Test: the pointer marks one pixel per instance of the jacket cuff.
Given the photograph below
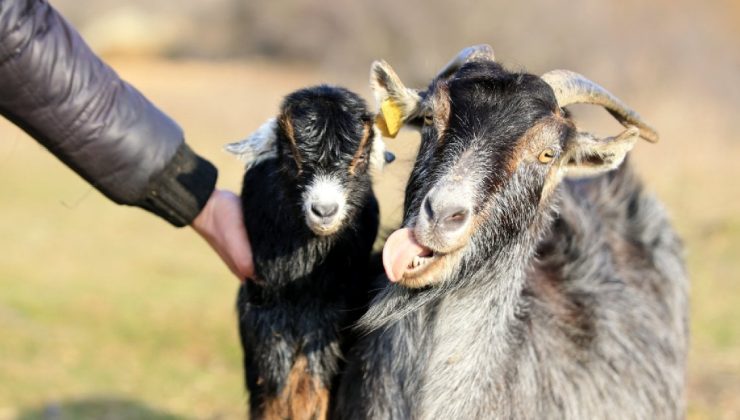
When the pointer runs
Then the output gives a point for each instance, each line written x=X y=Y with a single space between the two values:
x=181 y=190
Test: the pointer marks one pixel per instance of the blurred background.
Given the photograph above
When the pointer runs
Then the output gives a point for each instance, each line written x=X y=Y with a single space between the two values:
x=106 y=312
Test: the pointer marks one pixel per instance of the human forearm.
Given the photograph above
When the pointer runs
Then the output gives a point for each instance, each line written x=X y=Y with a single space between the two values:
x=55 y=88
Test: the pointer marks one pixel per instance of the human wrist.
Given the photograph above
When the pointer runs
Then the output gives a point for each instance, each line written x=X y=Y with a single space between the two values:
x=180 y=192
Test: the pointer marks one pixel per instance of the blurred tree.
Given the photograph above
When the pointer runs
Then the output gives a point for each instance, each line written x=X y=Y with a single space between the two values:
x=627 y=43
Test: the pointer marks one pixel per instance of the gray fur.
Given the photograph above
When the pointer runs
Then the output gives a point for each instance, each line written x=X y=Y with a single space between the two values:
x=571 y=306
x=494 y=349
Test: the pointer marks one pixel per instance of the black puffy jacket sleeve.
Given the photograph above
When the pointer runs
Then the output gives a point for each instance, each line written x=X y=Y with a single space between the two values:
x=55 y=88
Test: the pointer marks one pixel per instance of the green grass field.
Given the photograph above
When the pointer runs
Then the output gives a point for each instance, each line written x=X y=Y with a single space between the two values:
x=109 y=313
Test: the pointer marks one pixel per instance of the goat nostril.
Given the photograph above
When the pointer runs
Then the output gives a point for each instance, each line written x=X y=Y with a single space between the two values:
x=444 y=212
x=428 y=209
x=324 y=209
x=455 y=218
x=458 y=216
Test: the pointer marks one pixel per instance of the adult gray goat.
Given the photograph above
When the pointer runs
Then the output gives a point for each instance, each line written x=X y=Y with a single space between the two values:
x=533 y=278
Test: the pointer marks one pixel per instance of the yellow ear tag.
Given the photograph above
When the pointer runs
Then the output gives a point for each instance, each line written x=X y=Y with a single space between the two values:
x=390 y=118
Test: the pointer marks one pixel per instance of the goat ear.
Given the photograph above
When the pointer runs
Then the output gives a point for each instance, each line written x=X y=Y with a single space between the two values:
x=589 y=155
x=259 y=146
x=396 y=103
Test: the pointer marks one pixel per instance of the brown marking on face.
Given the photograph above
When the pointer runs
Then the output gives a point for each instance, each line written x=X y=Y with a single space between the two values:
x=303 y=397
x=287 y=127
x=367 y=130
x=534 y=140
x=552 y=180
x=522 y=146
x=441 y=105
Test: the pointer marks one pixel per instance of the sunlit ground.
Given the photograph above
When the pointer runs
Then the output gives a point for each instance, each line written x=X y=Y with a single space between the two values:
x=107 y=312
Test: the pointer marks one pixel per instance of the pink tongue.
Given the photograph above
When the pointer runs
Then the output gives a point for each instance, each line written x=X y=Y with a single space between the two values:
x=399 y=250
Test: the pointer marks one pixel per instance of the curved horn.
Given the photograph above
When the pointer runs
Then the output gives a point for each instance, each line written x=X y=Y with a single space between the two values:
x=573 y=88
x=476 y=52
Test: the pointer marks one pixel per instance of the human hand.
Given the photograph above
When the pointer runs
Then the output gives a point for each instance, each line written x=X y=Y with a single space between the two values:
x=221 y=224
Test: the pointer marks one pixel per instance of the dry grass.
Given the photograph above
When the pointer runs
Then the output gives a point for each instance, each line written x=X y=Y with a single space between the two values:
x=106 y=312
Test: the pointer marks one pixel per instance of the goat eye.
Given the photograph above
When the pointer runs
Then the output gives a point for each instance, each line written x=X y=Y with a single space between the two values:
x=546 y=156
x=428 y=120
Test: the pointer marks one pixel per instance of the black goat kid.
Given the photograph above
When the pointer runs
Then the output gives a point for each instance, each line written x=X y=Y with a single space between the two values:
x=312 y=219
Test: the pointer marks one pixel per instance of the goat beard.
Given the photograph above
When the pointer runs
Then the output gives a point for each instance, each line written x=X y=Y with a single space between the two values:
x=395 y=302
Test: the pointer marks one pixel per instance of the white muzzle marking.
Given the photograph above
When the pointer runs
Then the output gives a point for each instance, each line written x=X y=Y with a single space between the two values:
x=325 y=205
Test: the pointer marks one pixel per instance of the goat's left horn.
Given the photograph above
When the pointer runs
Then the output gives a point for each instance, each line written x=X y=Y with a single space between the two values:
x=573 y=88
x=476 y=52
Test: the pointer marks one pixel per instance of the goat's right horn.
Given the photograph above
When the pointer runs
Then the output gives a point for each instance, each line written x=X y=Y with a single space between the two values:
x=476 y=52
x=573 y=88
